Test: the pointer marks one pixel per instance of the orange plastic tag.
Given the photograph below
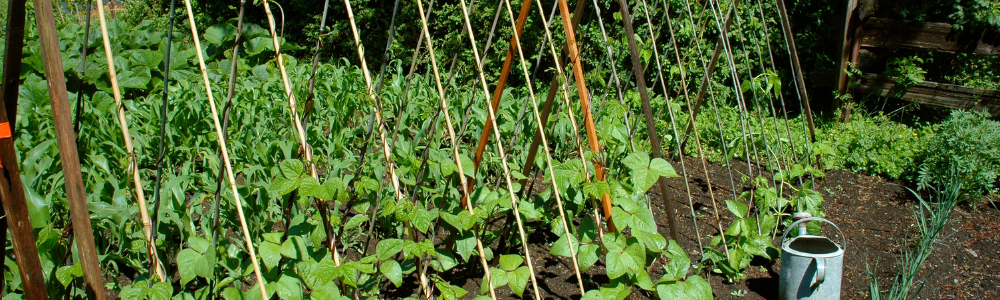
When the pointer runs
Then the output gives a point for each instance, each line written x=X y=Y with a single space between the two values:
x=4 y=133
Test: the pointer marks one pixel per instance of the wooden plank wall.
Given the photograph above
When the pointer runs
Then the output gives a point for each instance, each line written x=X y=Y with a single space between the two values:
x=940 y=37
x=933 y=93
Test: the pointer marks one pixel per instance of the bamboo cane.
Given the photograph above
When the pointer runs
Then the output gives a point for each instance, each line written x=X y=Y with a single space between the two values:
x=499 y=143
x=238 y=201
x=454 y=146
x=548 y=156
x=386 y=150
x=297 y=123
x=133 y=167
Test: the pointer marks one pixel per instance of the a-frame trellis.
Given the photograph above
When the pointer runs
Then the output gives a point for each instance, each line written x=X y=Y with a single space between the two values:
x=9 y=181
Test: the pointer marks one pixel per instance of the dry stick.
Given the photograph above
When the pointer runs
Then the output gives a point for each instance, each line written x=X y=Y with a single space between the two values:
x=378 y=117
x=62 y=120
x=548 y=157
x=83 y=70
x=225 y=120
x=237 y=199
x=455 y=145
x=503 y=156
x=800 y=82
x=651 y=126
x=133 y=167
x=13 y=53
x=15 y=207
x=697 y=141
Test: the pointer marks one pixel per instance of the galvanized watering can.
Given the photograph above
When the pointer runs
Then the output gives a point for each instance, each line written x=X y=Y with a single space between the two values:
x=811 y=265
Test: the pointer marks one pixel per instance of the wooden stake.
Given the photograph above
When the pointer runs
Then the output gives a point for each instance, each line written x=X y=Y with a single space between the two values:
x=62 y=120
x=11 y=188
x=13 y=51
x=133 y=167
x=503 y=155
x=569 y=108
x=667 y=204
x=484 y=137
x=238 y=201
x=800 y=81
x=548 y=157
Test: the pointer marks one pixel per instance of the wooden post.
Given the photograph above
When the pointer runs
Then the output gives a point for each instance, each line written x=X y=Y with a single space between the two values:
x=529 y=165
x=13 y=53
x=588 y=117
x=11 y=187
x=800 y=81
x=640 y=79
x=848 y=41
x=484 y=137
x=69 y=158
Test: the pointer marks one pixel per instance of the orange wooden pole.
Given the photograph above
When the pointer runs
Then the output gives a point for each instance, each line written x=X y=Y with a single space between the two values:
x=484 y=137
x=588 y=117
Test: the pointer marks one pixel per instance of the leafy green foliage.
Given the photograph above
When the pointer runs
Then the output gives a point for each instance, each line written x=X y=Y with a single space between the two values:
x=875 y=146
x=757 y=222
x=964 y=143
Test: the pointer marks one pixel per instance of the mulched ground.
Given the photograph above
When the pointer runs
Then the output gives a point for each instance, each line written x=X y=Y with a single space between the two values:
x=877 y=218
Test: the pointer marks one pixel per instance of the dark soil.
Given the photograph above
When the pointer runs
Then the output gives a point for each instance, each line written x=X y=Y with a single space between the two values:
x=876 y=216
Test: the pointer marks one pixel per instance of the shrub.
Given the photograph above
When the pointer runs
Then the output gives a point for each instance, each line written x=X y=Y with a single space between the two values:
x=966 y=142
x=876 y=146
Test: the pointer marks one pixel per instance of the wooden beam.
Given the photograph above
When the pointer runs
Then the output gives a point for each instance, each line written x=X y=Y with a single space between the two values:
x=931 y=36
x=62 y=118
x=933 y=93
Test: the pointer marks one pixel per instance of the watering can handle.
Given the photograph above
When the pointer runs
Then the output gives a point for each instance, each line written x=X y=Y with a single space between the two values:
x=820 y=270
x=843 y=239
